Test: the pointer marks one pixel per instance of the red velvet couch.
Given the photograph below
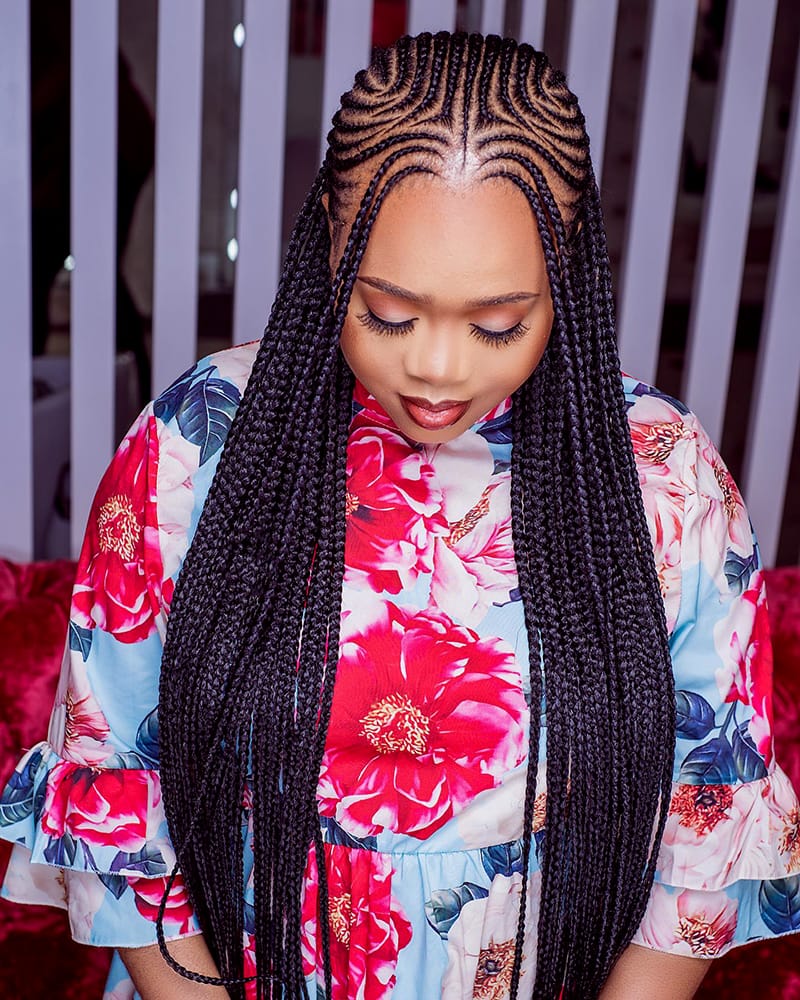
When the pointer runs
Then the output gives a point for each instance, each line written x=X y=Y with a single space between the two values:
x=39 y=960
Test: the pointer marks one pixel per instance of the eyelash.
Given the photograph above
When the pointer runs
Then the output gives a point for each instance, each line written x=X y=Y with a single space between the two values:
x=383 y=326
x=497 y=338
x=502 y=337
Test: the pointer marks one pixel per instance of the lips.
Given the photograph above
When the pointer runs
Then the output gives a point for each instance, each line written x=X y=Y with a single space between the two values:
x=434 y=416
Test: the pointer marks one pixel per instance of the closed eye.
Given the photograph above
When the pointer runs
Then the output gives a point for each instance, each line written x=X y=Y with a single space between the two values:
x=373 y=322
x=500 y=338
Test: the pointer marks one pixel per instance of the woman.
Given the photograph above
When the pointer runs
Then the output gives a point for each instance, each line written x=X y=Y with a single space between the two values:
x=435 y=469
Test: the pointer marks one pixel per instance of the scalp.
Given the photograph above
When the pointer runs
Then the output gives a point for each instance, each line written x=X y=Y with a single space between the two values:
x=462 y=107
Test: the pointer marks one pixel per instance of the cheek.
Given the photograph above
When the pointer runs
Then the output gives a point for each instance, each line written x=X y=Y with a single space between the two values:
x=521 y=361
x=366 y=354
x=349 y=343
x=537 y=348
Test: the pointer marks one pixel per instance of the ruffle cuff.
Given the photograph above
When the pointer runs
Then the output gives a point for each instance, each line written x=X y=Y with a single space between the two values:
x=718 y=834
x=93 y=841
x=101 y=819
x=728 y=869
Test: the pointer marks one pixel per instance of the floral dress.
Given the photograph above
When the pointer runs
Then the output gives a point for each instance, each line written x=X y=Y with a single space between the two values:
x=422 y=782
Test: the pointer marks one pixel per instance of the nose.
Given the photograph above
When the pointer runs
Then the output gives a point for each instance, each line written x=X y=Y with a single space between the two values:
x=438 y=355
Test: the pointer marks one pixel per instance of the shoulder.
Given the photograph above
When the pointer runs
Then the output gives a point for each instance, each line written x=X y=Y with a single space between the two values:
x=206 y=396
x=671 y=447
x=698 y=522
x=193 y=415
x=191 y=419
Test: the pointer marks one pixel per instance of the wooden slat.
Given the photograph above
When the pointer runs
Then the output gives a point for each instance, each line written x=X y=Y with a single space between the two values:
x=589 y=62
x=531 y=29
x=348 y=41
x=655 y=180
x=431 y=15
x=16 y=494
x=723 y=237
x=177 y=188
x=261 y=163
x=777 y=381
x=94 y=247
x=493 y=17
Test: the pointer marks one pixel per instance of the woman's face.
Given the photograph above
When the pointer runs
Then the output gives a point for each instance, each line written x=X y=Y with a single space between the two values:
x=451 y=309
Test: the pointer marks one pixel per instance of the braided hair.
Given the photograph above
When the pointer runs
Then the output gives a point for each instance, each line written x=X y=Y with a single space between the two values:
x=250 y=654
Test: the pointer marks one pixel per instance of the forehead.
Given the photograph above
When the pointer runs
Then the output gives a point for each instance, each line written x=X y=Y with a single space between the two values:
x=436 y=235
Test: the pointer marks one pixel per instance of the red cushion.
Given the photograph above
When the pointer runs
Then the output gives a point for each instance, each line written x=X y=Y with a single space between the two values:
x=34 y=602
x=783 y=599
x=770 y=970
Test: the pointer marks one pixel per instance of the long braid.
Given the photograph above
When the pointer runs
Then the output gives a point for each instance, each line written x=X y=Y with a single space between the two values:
x=250 y=657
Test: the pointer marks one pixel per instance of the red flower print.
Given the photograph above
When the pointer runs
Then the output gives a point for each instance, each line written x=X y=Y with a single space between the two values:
x=701 y=807
x=482 y=941
x=149 y=892
x=178 y=460
x=119 y=577
x=747 y=657
x=474 y=564
x=789 y=840
x=691 y=922
x=85 y=729
x=105 y=806
x=664 y=510
x=655 y=443
x=393 y=508
x=425 y=716
x=660 y=435
x=249 y=965
x=657 y=428
x=367 y=928
x=726 y=516
x=705 y=925
x=718 y=834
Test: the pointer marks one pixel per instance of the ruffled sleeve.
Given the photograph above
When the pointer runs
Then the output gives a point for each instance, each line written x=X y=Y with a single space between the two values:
x=84 y=808
x=729 y=863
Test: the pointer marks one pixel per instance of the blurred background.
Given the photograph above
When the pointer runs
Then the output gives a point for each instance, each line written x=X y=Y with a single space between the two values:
x=159 y=207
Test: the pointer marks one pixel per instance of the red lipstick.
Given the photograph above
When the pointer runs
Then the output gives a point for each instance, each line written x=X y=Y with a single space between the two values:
x=434 y=416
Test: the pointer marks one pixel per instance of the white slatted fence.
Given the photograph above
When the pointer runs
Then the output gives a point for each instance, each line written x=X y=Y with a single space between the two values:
x=93 y=203
x=348 y=34
x=16 y=492
x=260 y=204
x=179 y=83
x=643 y=280
x=589 y=59
x=591 y=41
x=532 y=21
x=431 y=15
x=493 y=17
x=723 y=242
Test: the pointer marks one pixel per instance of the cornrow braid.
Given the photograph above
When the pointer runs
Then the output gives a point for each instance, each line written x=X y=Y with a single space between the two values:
x=250 y=656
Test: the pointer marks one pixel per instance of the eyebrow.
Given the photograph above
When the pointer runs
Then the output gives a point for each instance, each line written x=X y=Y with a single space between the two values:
x=402 y=293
